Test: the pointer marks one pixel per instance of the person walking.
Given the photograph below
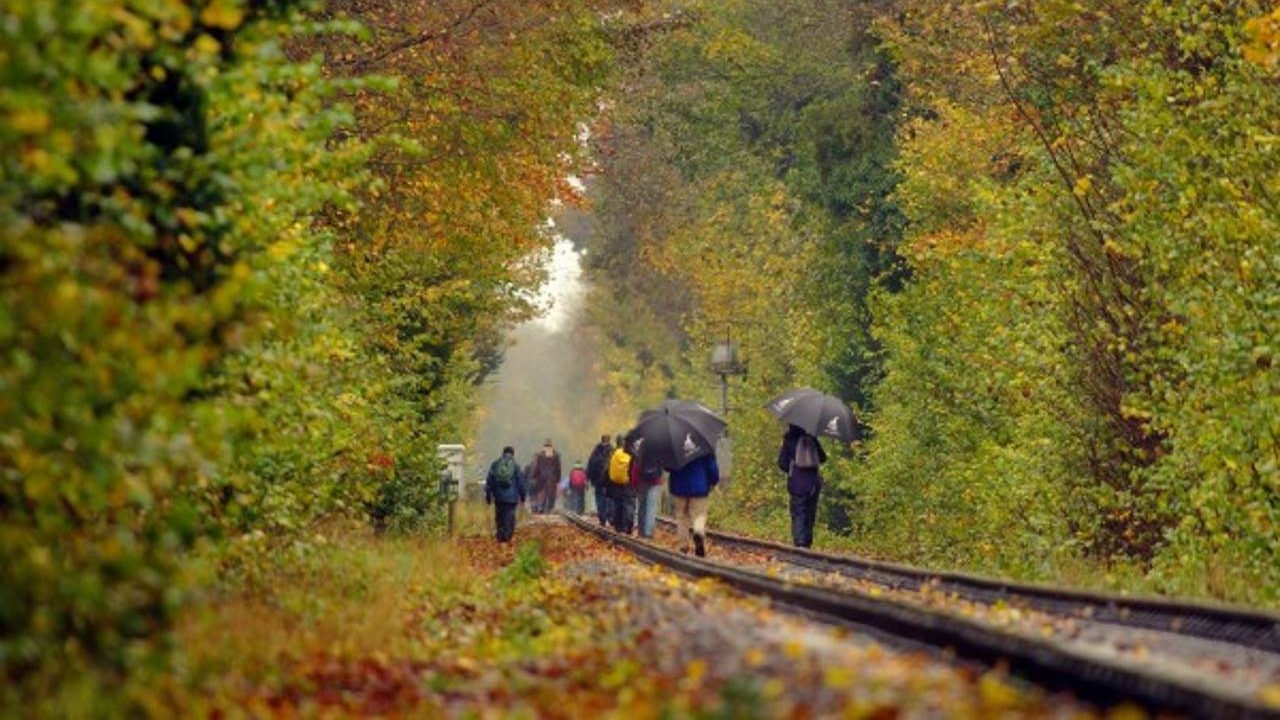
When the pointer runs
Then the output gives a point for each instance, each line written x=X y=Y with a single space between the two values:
x=598 y=475
x=546 y=477
x=690 y=488
x=577 y=489
x=505 y=489
x=801 y=457
x=622 y=500
x=646 y=484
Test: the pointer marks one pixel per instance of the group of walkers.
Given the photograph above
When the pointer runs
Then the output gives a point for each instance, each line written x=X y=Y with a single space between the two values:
x=628 y=489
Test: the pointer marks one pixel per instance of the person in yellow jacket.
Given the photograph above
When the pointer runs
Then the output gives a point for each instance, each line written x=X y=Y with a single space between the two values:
x=622 y=499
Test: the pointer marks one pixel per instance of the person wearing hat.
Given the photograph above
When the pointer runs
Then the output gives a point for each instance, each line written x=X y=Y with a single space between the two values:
x=546 y=476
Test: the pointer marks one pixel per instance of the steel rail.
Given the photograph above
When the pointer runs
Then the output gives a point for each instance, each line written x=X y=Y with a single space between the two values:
x=1244 y=627
x=1052 y=664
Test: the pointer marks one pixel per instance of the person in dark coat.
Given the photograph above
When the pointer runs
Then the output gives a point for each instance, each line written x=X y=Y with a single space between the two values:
x=597 y=475
x=546 y=478
x=505 y=488
x=690 y=488
x=804 y=482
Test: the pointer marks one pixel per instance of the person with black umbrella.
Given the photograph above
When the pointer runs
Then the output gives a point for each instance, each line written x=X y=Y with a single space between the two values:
x=690 y=488
x=801 y=458
x=681 y=437
x=808 y=413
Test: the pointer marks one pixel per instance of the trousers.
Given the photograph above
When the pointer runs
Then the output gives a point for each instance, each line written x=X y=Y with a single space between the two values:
x=577 y=500
x=547 y=501
x=691 y=513
x=804 y=512
x=622 y=507
x=602 y=503
x=647 y=512
x=504 y=520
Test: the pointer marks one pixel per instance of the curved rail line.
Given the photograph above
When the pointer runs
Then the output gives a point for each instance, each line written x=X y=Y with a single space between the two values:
x=1048 y=663
x=1239 y=626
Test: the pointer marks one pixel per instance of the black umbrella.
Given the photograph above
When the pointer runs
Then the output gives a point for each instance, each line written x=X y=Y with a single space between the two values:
x=675 y=433
x=815 y=413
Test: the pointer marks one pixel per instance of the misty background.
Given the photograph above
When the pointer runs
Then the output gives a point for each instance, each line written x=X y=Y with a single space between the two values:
x=547 y=385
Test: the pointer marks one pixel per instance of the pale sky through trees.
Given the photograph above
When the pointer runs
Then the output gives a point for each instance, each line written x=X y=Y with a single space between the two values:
x=546 y=386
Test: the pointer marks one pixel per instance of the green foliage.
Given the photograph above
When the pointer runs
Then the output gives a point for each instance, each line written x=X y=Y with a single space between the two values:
x=1202 y=222
x=745 y=187
x=469 y=148
x=741 y=698
x=407 y=503
x=527 y=566
x=132 y=241
x=971 y=456
x=1032 y=248
x=1085 y=229
x=235 y=300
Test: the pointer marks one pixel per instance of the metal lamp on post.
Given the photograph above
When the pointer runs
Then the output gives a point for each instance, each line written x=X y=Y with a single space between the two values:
x=725 y=362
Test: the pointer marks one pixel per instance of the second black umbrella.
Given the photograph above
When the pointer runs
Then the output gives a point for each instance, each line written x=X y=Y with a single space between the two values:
x=815 y=413
x=675 y=433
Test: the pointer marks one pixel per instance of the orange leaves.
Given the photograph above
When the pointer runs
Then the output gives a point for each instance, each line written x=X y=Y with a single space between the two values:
x=944 y=243
x=1263 y=48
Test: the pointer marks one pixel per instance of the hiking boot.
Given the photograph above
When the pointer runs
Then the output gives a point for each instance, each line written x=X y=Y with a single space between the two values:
x=699 y=546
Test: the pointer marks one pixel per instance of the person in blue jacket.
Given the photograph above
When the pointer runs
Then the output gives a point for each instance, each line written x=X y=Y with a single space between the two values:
x=690 y=488
x=506 y=488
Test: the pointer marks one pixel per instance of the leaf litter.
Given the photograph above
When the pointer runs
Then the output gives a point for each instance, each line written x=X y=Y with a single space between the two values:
x=562 y=626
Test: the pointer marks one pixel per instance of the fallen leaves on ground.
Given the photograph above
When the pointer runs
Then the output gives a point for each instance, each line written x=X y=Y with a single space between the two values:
x=597 y=634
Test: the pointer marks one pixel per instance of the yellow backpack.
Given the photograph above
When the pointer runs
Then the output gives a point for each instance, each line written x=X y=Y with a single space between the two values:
x=619 y=467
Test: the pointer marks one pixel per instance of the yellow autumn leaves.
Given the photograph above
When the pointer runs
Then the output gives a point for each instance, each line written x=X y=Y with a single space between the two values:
x=223 y=14
x=1263 y=48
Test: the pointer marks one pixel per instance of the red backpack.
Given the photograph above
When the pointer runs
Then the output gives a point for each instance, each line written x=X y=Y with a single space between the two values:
x=577 y=478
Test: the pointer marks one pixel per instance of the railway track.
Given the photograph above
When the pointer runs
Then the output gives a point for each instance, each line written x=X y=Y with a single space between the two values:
x=1046 y=661
x=1242 y=627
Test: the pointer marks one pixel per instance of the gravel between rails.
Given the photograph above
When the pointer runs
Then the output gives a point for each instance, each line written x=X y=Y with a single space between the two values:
x=1250 y=674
